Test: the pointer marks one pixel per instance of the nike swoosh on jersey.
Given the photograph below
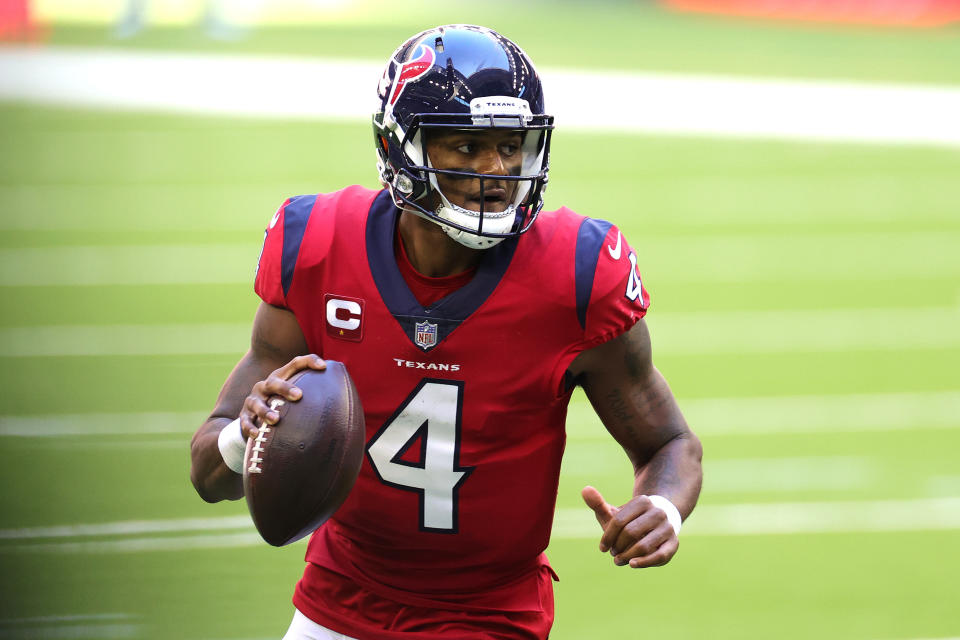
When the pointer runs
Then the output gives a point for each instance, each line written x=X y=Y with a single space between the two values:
x=615 y=251
x=273 y=221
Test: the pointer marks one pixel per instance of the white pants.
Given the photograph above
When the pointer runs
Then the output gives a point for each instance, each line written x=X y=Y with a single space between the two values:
x=303 y=628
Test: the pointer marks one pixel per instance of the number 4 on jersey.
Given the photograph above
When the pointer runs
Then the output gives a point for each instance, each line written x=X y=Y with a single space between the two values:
x=634 y=285
x=431 y=416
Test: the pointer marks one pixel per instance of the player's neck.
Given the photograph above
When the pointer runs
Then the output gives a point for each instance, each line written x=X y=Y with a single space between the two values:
x=431 y=251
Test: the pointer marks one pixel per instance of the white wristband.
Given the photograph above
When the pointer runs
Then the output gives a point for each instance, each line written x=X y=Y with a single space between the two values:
x=673 y=514
x=233 y=446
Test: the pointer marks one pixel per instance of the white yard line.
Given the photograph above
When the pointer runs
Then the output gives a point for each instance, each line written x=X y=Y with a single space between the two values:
x=122 y=265
x=101 y=424
x=786 y=331
x=677 y=333
x=799 y=414
x=711 y=416
x=99 y=626
x=95 y=625
x=87 y=617
x=651 y=102
x=694 y=258
x=128 y=528
x=157 y=543
x=790 y=474
x=73 y=632
x=740 y=258
x=925 y=514
x=125 y=340
x=785 y=475
x=824 y=413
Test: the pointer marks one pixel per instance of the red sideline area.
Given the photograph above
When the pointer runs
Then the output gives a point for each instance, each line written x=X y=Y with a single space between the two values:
x=911 y=13
x=17 y=23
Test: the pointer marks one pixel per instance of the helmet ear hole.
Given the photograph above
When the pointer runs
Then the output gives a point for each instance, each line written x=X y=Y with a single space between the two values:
x=383 y=145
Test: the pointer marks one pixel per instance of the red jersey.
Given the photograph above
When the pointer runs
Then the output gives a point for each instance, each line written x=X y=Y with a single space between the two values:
x=465 y=401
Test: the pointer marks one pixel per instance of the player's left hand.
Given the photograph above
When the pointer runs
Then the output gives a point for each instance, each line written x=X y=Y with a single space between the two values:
x=637 y=533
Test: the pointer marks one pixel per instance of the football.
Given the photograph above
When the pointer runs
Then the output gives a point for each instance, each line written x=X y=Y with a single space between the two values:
x=297 y=473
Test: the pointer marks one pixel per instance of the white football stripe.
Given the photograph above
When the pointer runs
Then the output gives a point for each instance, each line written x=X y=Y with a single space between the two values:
x=793 y=517
x=738 y=475
x=758 y=108
x=799 y=414
x=693 y=201
x=125 y=340
x=925 y=514
x=119 y=265
x=775 y=257
x=785 y=331
x=87 y=617
x=709 y=416
x=74 y=632
x=706 y=258
x=825 y=413
x=584 y=461
x=101 y=424
x=128 y=527
x=657 y=102
x=790 y=474
x=99 y=626
x=153 y=543
x=675 y=333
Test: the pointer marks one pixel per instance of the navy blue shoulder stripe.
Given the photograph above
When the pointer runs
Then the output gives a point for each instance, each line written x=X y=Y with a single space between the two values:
x=590 y=237
x=295 y=216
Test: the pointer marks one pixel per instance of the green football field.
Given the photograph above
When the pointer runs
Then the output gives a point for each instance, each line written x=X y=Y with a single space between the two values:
x=806 y=311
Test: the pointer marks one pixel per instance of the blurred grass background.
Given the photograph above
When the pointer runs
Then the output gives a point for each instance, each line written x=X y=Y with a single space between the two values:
x=609 y=34
x=777 y=269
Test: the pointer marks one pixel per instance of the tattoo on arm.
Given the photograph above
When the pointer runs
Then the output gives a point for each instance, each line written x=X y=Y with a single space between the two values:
x=636 y=405
x=618 y=406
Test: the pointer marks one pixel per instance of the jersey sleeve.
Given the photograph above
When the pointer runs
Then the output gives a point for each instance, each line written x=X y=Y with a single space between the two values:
x=610 y=294
x=281 y=249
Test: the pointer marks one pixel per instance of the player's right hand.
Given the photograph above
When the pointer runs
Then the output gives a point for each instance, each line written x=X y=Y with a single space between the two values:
x=637 y=533
x=256 y=409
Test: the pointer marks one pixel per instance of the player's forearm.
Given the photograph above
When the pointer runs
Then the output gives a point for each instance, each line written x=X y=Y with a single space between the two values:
x=674 y=472
x=210 y=476
x=671 y=469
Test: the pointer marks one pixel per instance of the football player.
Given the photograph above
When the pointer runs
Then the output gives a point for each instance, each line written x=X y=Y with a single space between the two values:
x=466 y=317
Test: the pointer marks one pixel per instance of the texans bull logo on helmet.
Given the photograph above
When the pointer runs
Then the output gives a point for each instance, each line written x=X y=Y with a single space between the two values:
x=412 y=70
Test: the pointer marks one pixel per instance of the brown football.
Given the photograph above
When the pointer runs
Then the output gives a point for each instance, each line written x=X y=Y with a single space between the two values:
x=297 y=473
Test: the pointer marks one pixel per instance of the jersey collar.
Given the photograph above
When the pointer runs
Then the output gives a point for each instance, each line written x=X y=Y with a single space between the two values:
x=427 y=328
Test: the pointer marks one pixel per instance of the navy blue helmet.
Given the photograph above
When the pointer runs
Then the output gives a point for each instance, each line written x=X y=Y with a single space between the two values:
x=461 y=77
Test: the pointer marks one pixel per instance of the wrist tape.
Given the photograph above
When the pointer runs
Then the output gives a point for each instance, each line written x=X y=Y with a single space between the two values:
x=673 y=514
x=232 y=446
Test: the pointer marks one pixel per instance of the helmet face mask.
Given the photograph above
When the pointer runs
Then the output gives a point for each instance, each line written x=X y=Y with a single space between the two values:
x=462 y=79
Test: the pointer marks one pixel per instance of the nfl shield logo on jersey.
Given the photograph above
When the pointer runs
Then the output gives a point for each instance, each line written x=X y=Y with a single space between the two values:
x=426 y=334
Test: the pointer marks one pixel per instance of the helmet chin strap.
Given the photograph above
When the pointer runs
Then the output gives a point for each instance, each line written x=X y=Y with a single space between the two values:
x=449 y=211
x=500 y=222
x=466 y=238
